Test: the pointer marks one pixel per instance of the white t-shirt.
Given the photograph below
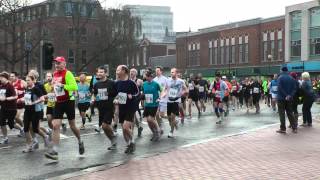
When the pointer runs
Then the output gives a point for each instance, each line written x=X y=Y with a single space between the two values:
x=174 y=88
x=162 y=81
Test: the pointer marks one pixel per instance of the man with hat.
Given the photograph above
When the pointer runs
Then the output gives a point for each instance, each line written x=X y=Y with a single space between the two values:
x=64 y=84
x=287 y=88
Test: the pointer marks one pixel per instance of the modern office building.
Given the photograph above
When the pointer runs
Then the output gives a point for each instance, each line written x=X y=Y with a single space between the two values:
x=155 y=20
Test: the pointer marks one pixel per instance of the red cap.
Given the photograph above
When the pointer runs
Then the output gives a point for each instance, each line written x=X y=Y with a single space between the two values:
x=60 y=59
x=294 y=75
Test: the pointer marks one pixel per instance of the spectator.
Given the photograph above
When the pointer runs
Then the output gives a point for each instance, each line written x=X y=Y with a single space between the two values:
x=308 y=99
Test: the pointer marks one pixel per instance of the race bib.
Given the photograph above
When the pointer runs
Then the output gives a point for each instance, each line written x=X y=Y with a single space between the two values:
x=51 y=97
x=256 y=90
x=59 y=91
x=191 y=87
x=274 y=88
x=122 y=98
x=218 y=94
x=250 y=91
x=19 y=92
x=173 y=93
x=149 y=98
x=27 y=99
x=234 y=88
x=82 y=95
x=3 y=93
x=103 y=94
x=201 y=89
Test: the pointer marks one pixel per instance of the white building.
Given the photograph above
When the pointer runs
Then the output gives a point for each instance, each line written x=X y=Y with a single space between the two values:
x=155 y=20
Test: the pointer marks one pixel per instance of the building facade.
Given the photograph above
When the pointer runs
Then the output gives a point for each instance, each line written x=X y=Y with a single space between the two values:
x=252 y=47
x=303 y=37
x=155 y=20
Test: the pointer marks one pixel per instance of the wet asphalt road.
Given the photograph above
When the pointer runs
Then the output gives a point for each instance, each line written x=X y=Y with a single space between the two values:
x=17 y=165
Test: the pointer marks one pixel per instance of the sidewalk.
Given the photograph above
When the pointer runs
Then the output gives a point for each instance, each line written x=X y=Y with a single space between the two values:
x=263 y=154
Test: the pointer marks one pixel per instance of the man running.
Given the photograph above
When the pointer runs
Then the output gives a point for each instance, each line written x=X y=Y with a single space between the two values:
x=151 y=91
x=139 y=82
x=20 y=86
x=203 y=84
x=175 y=89
x=64 y=86
x=193 y=94
x=84 y=98
x=8 y=102
x=256 y=95
x=51 y=99
x=247 y=93
x=162 y=81
x=218 y=89
x=226 y=98
x=274 y=92
x=104 y=92
x=234 y=94
x=127 y=95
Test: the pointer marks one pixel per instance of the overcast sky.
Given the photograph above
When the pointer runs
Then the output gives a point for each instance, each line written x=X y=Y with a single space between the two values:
x=205 y=13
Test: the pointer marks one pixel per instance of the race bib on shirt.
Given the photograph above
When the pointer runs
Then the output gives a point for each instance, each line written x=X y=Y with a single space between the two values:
x=173 y=93
x=250 y=91
x=218 y=94
x=274 y=88
x=103 y=94
x=191 y=87
x=51 y=97
x=122 y=98
x=149 y=98
x=27 y=99
x=201 y=89
x=82 y=95
x=3 y=93
x=256 y=90
x=59 y=91
x=234 y=88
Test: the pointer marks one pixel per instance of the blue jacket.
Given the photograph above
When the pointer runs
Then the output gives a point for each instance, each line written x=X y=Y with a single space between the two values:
x=287 y=86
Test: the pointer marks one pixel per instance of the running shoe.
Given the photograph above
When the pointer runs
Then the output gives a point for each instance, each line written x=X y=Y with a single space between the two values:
x=97 y=129
x=35 y=145
x=130 y=148
x=81 y=148
x=28 y=149
x=4 y=141
x=51 y=155
x=21 y=134
x=170 y=135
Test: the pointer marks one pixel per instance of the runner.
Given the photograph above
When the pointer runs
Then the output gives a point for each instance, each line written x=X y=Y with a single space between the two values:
x=64 y=85
x=8 y=102
x=175 y=89
x=151 y=91
x=218 y=89
x=267 y=97
x=33 y=98
x=193 y=96
x=50 y=99
x=247 y=93
x=183 y=104
x=203 y=88
x=226 y=99
x=84 y=98
x=104 y=92
x=127 y=95
x=20 y=86
x=235 y=91
x=139 y=82
x=274 y=91
x=256 y=95
x=162 y=81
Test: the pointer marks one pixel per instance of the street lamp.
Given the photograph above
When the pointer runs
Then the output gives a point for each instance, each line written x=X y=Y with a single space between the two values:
x=270 y=57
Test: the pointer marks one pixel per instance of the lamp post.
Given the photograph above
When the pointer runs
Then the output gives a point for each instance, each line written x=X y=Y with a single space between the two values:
x=270 y=57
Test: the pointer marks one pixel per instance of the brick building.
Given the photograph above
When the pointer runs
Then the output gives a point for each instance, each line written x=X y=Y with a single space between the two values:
x=251 y=47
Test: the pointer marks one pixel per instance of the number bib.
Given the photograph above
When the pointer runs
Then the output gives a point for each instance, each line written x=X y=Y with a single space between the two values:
x=27 y=99
x=250 y=91
x=234 y=88
x=149 y=98
x=51 y=97
x=201 y=89
x=122 y=98
x=218 y=94
x=173 y=93
x=256 y=90
x=59 y=91
x=274 y=88
x=191 y=87
x=103 y=94
x=3 y=93
x=82 y=95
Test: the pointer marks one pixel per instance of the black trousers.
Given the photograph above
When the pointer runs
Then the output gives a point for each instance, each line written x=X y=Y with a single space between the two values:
x=285 y=107
x=306 y=111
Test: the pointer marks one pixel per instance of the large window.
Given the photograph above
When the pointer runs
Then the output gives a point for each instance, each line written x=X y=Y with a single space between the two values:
x=295 y=32
x=280 y=45
x=210 y=53
x=233 y=50
x=315 y=31
x=194 y=54
x=221 y=51
x=215 y=52
x=70 y=56
x=240 y=50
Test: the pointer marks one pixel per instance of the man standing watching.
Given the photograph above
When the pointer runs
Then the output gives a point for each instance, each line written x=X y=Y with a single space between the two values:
x=287 y=88
x=64 y=85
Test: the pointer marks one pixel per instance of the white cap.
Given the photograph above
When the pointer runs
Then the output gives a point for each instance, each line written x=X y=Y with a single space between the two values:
x=224 y=77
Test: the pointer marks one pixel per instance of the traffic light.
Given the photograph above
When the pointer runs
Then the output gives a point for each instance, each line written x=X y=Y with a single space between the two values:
x=47 y=56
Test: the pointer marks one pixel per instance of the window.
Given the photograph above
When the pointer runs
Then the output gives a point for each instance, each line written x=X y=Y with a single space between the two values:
x=272 y=48
x=314 y=31
x=68 y=8
x=84 y=57
x=246 y=54
x=127 y=60
x=233 y=54
x=145 y=56
x=138 y=59
x=240 y=50
x=70 y=56
x=222 y=57
x=83 y=10
x=296 y=48
x=215 y=52
x=280 y=51
x=28 y=15
x=210 y=53
x=228 y=61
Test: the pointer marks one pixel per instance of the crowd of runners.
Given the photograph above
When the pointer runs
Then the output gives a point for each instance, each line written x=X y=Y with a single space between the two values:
x=24 y=102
